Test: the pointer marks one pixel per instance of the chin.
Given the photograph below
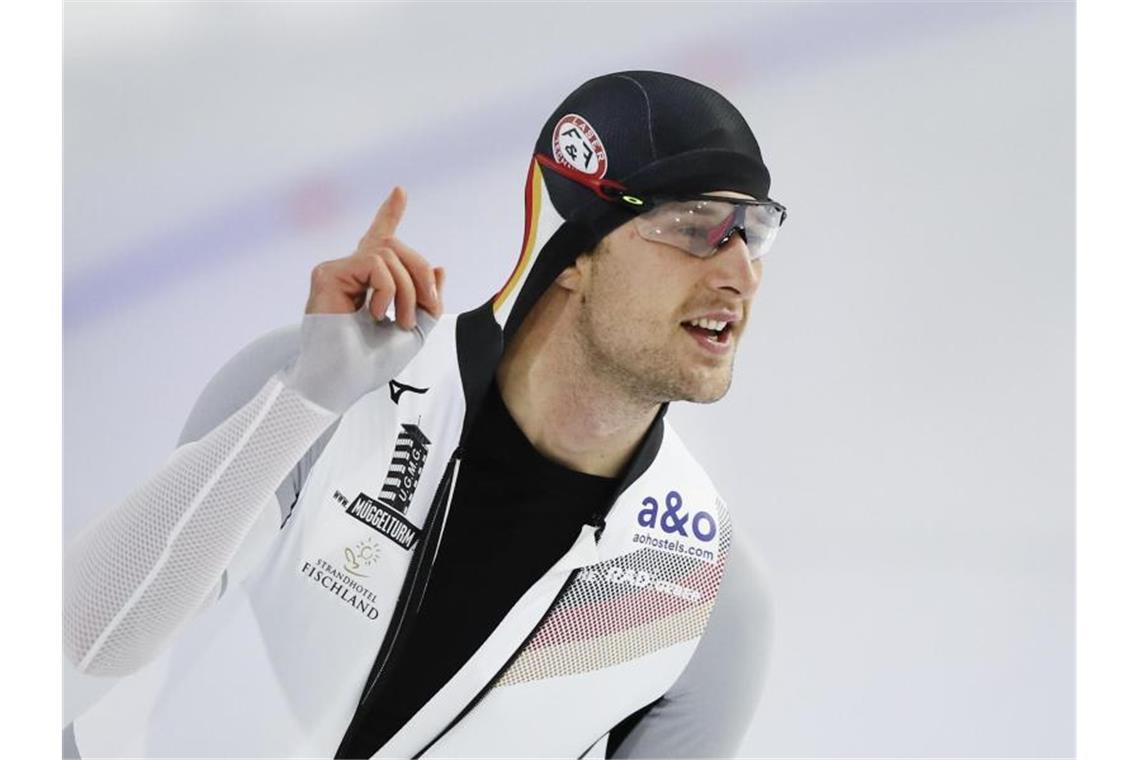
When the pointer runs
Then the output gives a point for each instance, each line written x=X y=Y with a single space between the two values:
x=710 y=398
x=707 y=390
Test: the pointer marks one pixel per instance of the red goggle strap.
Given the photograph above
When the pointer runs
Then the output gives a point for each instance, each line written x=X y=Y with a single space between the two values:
x=606 y=189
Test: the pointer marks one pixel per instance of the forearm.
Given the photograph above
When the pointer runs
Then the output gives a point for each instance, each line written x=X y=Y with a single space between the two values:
x=141 y=570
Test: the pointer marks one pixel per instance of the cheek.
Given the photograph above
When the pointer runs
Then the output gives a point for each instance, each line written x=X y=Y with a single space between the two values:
x=626 y=302
x=639 y=290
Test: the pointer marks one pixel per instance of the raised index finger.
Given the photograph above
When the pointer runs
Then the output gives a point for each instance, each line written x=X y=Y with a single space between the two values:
x=387 y=217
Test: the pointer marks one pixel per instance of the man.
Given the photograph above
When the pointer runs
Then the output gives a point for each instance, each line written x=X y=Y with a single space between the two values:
x=468 y=535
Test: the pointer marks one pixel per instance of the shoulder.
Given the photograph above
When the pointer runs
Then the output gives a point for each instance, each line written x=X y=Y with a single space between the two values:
x=708 y=709
x=676 y=456
x=676 y=464
x=724 y=679
x=742 y=616
x=741 y=619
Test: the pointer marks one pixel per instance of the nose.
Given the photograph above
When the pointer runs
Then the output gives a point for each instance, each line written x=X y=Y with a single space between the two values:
x=732 y=268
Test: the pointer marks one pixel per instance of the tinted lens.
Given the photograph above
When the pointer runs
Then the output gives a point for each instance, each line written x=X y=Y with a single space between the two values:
x=761 y=225
x=699 y=227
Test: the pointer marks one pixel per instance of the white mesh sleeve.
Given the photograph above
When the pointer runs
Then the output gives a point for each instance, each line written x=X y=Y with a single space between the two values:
x=143 y=569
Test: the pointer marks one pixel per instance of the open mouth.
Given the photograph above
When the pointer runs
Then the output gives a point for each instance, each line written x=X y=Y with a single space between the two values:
x=709 y=330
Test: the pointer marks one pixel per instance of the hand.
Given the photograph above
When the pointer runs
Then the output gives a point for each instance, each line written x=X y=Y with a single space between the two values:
x=384 y=265
x=348 y=347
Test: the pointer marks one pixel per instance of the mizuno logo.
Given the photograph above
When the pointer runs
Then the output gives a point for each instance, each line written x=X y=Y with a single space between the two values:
x=396 y=389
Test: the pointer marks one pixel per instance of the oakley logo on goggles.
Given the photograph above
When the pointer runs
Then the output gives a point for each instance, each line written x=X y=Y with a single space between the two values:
x=697 y=224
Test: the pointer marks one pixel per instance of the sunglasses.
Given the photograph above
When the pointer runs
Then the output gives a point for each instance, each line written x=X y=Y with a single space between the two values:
x=697 y=224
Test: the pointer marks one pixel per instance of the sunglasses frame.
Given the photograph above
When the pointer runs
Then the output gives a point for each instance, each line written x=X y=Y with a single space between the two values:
x=615 y=192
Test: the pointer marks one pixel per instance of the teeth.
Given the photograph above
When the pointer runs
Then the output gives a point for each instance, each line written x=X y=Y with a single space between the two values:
x=708 y=324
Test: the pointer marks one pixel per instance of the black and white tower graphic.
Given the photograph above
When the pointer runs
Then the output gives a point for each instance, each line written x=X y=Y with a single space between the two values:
x=386 y=514
x=407 y=465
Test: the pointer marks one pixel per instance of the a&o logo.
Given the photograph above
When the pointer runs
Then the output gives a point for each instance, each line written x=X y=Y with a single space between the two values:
x=674 y=520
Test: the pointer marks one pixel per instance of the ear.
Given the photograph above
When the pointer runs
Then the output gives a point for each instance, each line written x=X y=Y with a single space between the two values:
x=572 y=277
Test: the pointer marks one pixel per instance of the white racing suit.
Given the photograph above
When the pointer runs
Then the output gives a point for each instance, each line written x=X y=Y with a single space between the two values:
x=313 y=598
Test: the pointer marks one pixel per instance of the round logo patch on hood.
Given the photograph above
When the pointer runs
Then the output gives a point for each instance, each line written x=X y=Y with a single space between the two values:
x=576 y=144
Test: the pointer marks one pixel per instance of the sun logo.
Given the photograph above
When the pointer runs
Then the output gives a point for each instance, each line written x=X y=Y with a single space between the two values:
x=363 y=555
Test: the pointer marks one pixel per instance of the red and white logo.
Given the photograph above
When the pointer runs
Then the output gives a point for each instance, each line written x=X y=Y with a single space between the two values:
x=576 y=144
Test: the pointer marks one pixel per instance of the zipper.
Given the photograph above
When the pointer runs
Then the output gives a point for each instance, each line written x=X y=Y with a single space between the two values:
x=599 y=529
x=414 y=593
x=413 y=590
x=456 y=460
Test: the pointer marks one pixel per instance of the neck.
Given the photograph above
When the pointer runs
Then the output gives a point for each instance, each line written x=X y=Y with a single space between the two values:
x=571 y=414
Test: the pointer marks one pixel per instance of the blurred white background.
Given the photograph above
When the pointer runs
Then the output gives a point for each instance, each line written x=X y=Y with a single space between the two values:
x=898 y=442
